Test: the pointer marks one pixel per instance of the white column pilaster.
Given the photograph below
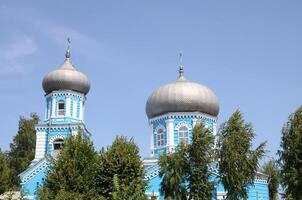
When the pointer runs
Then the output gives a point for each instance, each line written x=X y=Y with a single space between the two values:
x=68 y=102
x=214 y=128
x=170 y=134
x=151 y=139
x=194 y=122
x=40 y=146
x=46 y=110
x=53 y=106
x=75 y=104
x=83 y=109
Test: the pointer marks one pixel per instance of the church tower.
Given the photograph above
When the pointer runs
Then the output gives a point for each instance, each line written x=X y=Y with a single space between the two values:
x=65 y=95
x=173 y=110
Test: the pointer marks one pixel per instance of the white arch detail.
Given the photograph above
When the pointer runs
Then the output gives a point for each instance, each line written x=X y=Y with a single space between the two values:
x=186 y=124
x=53 y=138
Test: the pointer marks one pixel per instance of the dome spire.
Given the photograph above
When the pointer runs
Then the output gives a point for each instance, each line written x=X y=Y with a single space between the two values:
x=181 y=67
x=67 y=54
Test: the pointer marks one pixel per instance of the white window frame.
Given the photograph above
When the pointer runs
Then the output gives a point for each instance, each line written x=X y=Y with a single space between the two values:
x=160 y=137
x=183 y=135
x=61 y=112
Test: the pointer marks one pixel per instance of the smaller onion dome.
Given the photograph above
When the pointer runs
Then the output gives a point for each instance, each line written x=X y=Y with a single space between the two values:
x=66 y=78
x=182 y=96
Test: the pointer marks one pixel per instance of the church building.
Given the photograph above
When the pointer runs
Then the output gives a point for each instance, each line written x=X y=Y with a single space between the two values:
x=172 y=110
x=65 y=95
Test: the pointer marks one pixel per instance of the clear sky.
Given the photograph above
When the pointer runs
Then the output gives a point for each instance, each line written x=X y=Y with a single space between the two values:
x=248 y=52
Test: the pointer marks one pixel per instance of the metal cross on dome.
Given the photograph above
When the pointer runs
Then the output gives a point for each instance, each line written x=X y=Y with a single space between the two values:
x=68 y=41
x=67 y=54
x=181 y=68
x=180 y=58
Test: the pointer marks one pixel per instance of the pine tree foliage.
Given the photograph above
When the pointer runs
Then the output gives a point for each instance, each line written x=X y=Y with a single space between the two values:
x=270 y=168
x=291 y=155
x=121 y=193
x=185 y=174
x=201 y=154
x=122 y=160
x=22 y=150
x=72 y=172
x=238 y=163
x=4 y=174
x=173 y=172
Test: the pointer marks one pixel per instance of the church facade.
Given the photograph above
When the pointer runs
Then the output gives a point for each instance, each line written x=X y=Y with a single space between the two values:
x=65 y=96
x=172 y=110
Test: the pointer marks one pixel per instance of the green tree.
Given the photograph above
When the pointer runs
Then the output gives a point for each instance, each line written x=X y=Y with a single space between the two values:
x=173 y=172
x=201 y=153
x=121 y=159
x=187 y=169
x=4 y=174
x=121 y=193
x=22 y=149
x=71 y=174
x=290 y=155
x=270 y=168
x=238 y=163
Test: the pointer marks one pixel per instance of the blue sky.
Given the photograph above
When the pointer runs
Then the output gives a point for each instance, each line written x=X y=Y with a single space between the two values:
x=248 y=52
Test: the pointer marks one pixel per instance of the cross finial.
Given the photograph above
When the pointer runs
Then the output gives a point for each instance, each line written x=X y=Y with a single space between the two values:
x=180 y=58
x=67 y=54
x=181 y=67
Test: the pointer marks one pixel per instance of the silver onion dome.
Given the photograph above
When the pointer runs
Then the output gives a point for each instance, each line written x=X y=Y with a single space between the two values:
x=182 y=96
x=66 y=78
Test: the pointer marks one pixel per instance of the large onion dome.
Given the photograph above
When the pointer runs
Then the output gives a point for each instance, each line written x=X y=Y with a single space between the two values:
x=66 y=78
x=182 y=96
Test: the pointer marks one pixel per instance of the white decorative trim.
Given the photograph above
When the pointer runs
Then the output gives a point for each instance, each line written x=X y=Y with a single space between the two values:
x=186 y=124
x=170 y=134
x=41 y=165
x=52 y=139
x=151 y=140
x=160 y=126
x=67 y=106
x=198 y=115
x=53 y=106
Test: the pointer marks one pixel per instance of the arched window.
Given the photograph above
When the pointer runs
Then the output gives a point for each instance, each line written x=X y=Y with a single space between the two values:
x=57 y=144
x=61 y=107
x=160 y=137
x=183 y=134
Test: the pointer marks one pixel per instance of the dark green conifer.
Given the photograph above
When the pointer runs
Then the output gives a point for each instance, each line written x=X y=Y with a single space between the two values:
x=201 y=154
x=122 y=160
x=238 y=162
x=291 y=155
x=185 y=173
x=4 y=174
x=72 y=173
x=173 y=172
x=270 y=168
x=22 y=149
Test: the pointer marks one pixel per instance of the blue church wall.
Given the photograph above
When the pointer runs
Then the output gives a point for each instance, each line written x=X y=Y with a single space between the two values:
x=60 y=98
x=30 y=187
x=48 y=107
x=154 y=187
x=259 y=191
x=72 y=115
x=52 y=135
x=179 y=119
x=157 y=125
x=179 y=122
